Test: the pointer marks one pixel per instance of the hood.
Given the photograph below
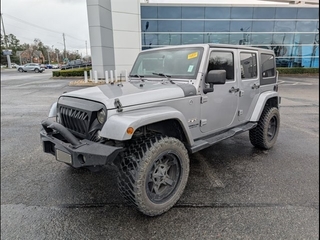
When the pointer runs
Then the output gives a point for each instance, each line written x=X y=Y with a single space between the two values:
x=134 y=93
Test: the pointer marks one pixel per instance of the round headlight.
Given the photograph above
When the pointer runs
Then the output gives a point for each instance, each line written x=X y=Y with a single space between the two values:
x=101 y=116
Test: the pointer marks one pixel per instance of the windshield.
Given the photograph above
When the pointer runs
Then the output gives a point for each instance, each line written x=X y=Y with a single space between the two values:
x=176 y=63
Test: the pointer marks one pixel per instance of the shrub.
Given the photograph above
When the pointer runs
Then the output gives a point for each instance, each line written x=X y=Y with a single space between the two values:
x=76 y=72
x=298 y=70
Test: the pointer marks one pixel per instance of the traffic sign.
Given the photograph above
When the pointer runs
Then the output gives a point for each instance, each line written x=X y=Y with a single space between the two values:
x=7 y=52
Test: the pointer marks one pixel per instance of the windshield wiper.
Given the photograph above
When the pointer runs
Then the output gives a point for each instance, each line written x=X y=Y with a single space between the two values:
x=137 y=76
x=162 y=75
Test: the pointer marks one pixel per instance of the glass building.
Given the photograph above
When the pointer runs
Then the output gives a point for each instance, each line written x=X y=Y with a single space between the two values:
x=292 y=32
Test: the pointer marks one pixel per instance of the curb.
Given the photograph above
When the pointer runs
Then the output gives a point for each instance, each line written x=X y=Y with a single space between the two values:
x=81 y=83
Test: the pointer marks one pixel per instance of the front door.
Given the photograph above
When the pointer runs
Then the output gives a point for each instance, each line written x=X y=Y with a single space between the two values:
x=219 y=108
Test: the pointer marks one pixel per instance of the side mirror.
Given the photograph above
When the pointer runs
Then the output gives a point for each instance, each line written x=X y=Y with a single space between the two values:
x=215 y=77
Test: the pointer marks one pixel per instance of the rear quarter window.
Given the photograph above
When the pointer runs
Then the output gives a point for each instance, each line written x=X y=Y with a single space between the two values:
x=268 y=65
x=268 y=69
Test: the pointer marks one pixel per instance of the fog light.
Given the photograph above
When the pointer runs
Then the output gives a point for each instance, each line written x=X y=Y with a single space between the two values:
x=58 y=118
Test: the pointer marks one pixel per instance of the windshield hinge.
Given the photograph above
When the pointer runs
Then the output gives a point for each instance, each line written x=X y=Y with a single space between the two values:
x=204 y=99
x=118 y=105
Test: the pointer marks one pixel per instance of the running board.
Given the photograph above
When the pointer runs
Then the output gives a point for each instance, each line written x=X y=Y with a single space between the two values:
x=208 y=141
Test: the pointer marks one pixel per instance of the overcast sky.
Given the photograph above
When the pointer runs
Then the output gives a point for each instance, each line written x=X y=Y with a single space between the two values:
x=49 y=19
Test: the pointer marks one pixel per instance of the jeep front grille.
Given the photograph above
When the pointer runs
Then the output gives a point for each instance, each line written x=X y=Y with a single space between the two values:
x=75 y=120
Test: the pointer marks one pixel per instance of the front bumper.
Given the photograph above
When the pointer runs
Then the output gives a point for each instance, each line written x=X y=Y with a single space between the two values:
x=60 y=142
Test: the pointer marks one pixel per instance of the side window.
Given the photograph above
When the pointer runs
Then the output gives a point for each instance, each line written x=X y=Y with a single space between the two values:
x=268 y=67
x=222 y=61
x=248 y=64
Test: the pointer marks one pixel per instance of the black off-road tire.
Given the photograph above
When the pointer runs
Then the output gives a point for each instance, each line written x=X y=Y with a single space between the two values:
x=265 y=134
x=153 y=173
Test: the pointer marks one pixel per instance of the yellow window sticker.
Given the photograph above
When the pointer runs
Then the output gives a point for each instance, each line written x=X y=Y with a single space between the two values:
x=193 y=55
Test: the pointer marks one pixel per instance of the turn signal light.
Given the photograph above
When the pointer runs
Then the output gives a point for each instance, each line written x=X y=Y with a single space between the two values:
x=130 y=130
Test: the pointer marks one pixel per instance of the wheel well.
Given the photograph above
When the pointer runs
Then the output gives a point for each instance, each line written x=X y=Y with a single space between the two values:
x=170 y=128
x=272 y=102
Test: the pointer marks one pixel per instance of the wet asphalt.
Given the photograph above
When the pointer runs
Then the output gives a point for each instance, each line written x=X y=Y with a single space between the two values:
x=234 y=191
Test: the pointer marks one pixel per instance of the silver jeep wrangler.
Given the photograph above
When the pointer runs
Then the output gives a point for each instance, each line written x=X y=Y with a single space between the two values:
x=178 y=100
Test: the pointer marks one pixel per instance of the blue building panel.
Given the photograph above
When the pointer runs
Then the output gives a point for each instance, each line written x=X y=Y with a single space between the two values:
x=291 y=32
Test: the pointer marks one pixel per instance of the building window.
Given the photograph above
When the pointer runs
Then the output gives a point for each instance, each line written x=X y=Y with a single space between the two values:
x=306 y=26
x=217 y=26
x=241 y=13
x=240 y=26
x=308 y=13
x=192 y=38
x=149 y=26
x=169 y=12
x=216 y=38
x=264 y=13
x=285 y=26
x=169 y=25
x=169 y=39
x=262 y=26
x=217 y=13
x=248 y=63
x=286 y=13
x=222 y=61
x=149 y=12
x=192 y=13
x=192 y=26
x=261 y=38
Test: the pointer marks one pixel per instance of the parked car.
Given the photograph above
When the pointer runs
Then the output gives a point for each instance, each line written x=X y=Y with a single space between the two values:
x=55 y=66
x=76 y=64
x=49 y=66
x=43 y=66
x=14 y=65
x=34 y=67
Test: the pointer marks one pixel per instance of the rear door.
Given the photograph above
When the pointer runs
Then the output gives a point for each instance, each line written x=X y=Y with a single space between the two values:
x=249 y=83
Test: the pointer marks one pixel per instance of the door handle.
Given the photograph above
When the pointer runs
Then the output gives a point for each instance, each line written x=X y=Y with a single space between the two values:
x=255 y=86
x=234 y=90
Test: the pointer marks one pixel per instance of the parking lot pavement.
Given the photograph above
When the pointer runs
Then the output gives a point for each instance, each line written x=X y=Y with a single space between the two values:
x=234 y=191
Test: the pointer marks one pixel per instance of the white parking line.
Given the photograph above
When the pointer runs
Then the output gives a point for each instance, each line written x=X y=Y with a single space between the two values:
x=301 y=130
x=294 y=83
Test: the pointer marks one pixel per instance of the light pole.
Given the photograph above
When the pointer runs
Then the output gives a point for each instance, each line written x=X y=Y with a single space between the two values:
x=20 y=57
x=5 y=40
x=48 y=56
x=209 y=37
x=144 y=33
x=314 y=47
x=245 y=36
